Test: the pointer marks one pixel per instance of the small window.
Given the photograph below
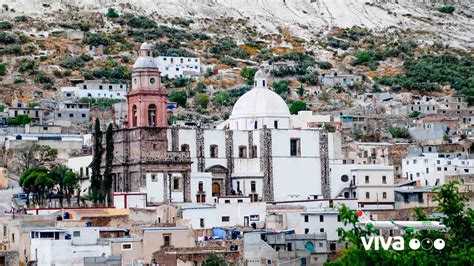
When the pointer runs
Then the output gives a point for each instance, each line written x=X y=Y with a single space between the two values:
x=225 y=218
x=321 y=218
x=201 y=186
x=201 y=222
x=306 y=230
x=384 y=179
x=306 y=218
x=83 y=115
x=255 y=217
x=76 y=233
x=384 y=195
x=321 y=230
x=242 y=152
x=127 y=246
x=367 y=195
x=176 y=183
x=71 y=115
x=253 y=186
x=226 y=201
x=166 y=240
x=295 y=149
x=366 y=179
x=214 y=151
x=344 y=178
x=185 y=147
x=275 y=124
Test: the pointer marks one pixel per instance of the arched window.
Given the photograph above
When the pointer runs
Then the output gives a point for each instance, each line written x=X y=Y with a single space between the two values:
x=134 y=116
x=263 y=83
x=152 y=115
x=185 y=147
x=255 y=125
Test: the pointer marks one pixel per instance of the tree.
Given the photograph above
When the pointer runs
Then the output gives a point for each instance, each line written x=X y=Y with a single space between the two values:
x=58 y=173
x=109 y=157
x=179 y=96
x=200 y=87
x=70 y=183
x=28 y=182
x=221 y=98
x=281 y=87
x=297 y=106
x=459 y=236
x=214 y=260
x=96 y=177
x=19 y=120
x=248 y=73
x=34 y=154
x=201 y=99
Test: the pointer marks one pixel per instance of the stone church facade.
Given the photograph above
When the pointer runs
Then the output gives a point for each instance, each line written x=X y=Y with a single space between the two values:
x=256 y=153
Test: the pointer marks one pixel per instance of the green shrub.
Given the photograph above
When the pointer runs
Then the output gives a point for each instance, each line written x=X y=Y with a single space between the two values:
x=227 y=60
x=111 y=13
x=28 y=65
x=281 y=87
x=43 y=79
x=202 y=100
x=297 y=106
x=178 y=96
x=5 y=25
x=447 y=9
x=2 y=69
x=221 y=98
x=329 y=128
x=399 y=132
x=100 y=102
x=325 y=65
x=414 y=114
x=249 y=73
x=140 y=22
x=96 y=39
x=21 y=18
x=6 y=38
x=18 y=120
x=311 y=79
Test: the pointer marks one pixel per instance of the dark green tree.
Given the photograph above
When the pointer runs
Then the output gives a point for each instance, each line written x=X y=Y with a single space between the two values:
x=214 y=260
x=96 y=176
x=281 y=87
x=179 y=96
x=109 y=157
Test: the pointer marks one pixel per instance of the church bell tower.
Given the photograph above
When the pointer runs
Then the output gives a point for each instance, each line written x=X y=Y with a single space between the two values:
x=147 y=99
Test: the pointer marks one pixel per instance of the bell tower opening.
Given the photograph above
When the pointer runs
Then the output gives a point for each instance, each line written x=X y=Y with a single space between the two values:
x=152 y=115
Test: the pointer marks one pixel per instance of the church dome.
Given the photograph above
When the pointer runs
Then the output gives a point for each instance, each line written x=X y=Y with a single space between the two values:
x=145 y=59
x=145 y=62
x=260 y=102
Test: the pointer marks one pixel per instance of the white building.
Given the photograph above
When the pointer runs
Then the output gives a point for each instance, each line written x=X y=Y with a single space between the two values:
x=206 y=216
x=80 y=166
x=430 y=169
x=177 y=67
x=372 y=185
x=69 y=246
x=95 y=90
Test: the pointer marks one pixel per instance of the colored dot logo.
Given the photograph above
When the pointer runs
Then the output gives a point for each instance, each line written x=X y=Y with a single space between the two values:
x=426 y=244
x=439 y=244
x=414 y=244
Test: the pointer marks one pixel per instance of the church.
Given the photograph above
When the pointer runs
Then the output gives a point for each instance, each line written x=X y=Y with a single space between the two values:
x=256 y=153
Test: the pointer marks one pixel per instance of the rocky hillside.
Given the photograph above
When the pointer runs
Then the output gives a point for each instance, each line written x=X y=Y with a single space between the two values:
x=305 y=18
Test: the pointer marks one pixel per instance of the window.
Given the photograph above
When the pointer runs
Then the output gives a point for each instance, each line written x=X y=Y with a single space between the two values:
x=13 y=238
x=225 y=218
x=176 y=183
x=76 y=233
x=321 y=218
x=4 y=231
x=151 y=115
x=185 y=147
x=127 y=246
x=253 y=152
x=214 y=151
x=295 y=149
x=321 y=230
x=226 y=201
x=366 y=179
x=242 y=152
x=59 y=115
x=275 y=124
x=367 y=195
x=100 y=87
x=384 y=179
x=83 y=115
x=152 y=80
x=201 y=222
x=338 y=218
x=166 y=240
x=134 y=116
x=384 y=195
x=344 y=178
x=200 y=186
x=71 y=115
x=253 y=186
x=255 y=125
x=306 y=230
x=306 y=218
x=288 y=247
